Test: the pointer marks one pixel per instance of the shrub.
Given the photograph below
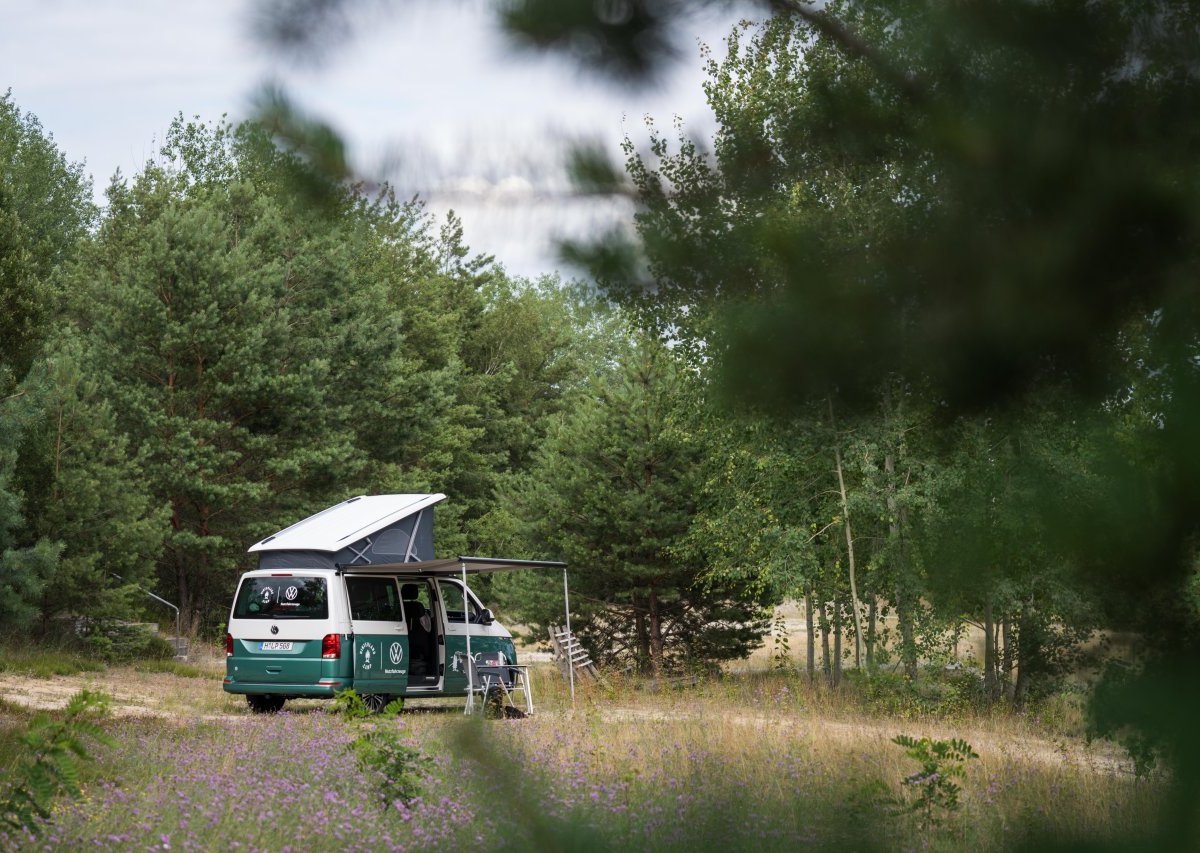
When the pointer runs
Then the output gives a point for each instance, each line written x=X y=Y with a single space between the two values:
x=400 y=768
x=118 y=642
x=936 y=792
x=49 y=765
x=349 y=704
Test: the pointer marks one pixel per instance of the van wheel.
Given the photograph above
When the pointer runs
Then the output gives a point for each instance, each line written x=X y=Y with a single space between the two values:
x=376 y=702
x=269 y=704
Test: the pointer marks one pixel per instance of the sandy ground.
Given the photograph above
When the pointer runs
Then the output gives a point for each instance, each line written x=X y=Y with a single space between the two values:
x=133 y=694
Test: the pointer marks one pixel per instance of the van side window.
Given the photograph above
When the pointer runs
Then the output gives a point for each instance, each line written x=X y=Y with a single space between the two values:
x=374 y=599
x=452 y=595
x=281 y=597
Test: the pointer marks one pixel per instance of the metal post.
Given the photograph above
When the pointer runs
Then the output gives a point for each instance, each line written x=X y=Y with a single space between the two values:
x=467 y=626
x=570 y=663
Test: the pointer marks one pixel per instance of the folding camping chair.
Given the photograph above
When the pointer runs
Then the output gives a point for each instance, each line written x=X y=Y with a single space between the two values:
x=492 y=677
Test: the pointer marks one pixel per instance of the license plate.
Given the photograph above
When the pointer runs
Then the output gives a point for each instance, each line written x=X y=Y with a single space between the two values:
x=275 y=646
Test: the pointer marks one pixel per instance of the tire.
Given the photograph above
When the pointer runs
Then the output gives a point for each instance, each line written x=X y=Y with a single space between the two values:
x=266 y=704
x=376 y=702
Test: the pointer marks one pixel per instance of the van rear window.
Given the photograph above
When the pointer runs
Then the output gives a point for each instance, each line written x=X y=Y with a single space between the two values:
x=282 y=598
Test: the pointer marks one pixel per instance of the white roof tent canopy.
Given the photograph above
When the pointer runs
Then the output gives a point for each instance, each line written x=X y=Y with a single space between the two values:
x=333 y=529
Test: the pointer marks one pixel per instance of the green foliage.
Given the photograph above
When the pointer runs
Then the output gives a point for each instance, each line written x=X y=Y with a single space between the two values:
x=350 y=704
x=781 y=650
x=27 y=572
x=932 y=792
x=120 y=642
x=400 y=769
x=613 y=492
x=354 y=706
x=83 y=490
x=45 y=211
x=940 y=694
x=49 y=766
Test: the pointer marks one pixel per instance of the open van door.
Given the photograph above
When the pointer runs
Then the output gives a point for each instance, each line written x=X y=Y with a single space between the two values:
x=381 y=650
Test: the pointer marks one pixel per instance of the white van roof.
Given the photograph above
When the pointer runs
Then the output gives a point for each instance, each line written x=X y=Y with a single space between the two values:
x=334 y=528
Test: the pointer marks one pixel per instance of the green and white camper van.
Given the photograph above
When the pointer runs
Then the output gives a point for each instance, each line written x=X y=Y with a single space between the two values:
x=353 y=597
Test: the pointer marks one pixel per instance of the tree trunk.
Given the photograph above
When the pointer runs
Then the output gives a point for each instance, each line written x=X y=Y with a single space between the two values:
x=826 y=658
x=183 y=589
x=643 y=635
x=837 y=455
x=989 y=654
x=1006 y=659
x=836 y=677
x=656 y=639
x=908 y=646
x=1029 y=654
x=811 y=631
x=872 y=617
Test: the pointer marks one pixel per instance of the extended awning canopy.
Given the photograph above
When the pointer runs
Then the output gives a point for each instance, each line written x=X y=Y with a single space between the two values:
x=452 y=566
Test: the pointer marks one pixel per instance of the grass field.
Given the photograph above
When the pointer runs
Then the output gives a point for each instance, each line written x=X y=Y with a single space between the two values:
x=753 y=761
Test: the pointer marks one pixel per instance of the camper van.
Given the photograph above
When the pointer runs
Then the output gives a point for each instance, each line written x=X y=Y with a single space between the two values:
x=353 y=597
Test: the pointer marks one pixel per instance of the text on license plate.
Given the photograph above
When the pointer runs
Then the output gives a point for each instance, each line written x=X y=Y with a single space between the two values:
x=275 y=646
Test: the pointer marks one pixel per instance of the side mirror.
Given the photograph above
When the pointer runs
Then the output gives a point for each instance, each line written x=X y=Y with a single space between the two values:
x=486 y=617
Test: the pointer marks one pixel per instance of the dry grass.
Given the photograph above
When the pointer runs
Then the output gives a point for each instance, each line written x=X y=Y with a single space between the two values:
x=781 y=742
x=761 y=761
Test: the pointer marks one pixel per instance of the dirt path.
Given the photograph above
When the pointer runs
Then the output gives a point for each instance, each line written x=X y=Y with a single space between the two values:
x=133 y=693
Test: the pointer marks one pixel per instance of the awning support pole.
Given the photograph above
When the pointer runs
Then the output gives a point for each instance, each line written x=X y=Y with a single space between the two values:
x=467 y=625
x=570 y=663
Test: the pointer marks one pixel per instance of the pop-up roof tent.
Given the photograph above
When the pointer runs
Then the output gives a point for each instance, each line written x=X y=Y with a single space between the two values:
x=363 y=531
x=385 y=534
x=374 y=533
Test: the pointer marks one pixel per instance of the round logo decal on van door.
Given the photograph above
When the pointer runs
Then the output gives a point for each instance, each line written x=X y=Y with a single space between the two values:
x=396 y=653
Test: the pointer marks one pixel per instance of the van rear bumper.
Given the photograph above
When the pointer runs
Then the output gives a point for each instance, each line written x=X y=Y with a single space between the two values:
x=323 y=689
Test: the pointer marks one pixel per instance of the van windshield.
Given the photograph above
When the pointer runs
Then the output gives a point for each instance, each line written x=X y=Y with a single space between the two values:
x=281 y=598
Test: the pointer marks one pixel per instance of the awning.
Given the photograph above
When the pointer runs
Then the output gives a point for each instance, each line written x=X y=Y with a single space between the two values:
x=453 y=566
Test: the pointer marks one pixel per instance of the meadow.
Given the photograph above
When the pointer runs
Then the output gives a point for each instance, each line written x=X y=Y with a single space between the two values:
x=756 y=761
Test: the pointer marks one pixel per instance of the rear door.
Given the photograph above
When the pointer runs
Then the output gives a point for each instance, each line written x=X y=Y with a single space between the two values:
x=278 y=622
x=380 y=635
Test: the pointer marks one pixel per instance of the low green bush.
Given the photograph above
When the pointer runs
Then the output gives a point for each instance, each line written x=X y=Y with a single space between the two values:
x=51 y=748
x=937 y=693
x=400 y=769
x=121 y=642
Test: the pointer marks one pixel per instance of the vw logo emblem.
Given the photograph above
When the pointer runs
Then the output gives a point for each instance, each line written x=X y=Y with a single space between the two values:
x=396 y=653
x=274 y=629
x=290 y=593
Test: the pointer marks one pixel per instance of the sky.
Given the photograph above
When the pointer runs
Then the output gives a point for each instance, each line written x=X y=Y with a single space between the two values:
x=429 y=96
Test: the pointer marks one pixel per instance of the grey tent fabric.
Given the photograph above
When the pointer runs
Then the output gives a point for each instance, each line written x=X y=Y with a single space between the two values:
x=387 y=529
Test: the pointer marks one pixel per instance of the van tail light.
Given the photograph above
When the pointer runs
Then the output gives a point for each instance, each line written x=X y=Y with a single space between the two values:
x=229 y=645
x=331 y=646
